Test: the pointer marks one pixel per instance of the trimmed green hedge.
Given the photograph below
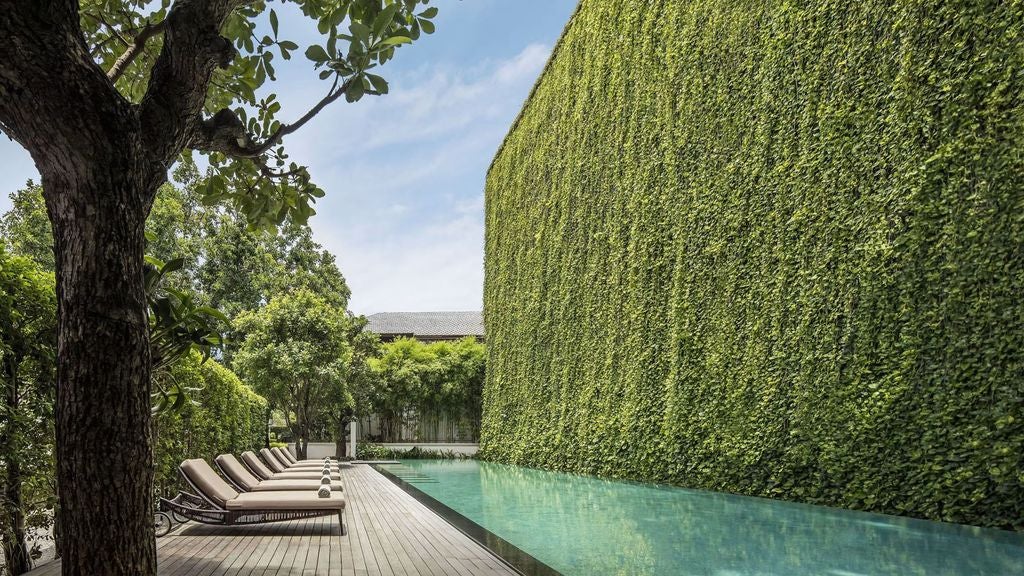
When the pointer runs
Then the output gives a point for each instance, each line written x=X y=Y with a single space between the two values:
x=226 y=416
x=773 y=248
x=372 y=451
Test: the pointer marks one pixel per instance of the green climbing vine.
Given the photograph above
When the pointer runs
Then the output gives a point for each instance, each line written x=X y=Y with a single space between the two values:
x=773 y=248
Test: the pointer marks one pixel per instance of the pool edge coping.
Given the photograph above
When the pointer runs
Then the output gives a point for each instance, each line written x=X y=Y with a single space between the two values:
x=520 y=561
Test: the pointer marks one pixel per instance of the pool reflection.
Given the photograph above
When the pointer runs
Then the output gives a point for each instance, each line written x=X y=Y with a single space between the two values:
x=584 y=525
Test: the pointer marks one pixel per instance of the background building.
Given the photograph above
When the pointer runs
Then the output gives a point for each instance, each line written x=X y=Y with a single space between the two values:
x=427 y=326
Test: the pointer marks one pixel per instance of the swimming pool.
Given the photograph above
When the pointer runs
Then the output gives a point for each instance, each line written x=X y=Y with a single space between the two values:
x=580 y=525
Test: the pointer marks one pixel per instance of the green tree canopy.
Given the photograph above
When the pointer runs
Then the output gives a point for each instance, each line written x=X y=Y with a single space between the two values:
x=25 y=228
x=410 y=377
x=295 y=352
x=28 y=332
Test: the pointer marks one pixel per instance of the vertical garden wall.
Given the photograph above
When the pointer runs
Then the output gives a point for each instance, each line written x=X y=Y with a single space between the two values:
x=773 y=248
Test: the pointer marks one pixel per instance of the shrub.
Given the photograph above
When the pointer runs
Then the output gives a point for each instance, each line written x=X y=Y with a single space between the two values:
x=369 y=451
x=226 y=416
x=771 y=248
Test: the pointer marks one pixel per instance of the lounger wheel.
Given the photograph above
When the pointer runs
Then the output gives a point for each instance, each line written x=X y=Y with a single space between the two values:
x=162 y=524
x=178 y=517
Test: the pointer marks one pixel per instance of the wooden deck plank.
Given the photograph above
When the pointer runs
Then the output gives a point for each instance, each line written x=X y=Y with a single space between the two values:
x=389 y=533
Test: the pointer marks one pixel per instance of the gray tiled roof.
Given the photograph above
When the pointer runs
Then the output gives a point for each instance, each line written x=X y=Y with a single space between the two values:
x=427 y=323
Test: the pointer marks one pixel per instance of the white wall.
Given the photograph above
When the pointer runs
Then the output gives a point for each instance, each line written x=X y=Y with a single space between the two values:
x=316 y=450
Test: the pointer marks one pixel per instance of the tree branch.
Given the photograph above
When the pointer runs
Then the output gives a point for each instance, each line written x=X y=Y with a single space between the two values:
x=53 y=113
x=180 y=78
x=222 y=135
x=269 y=173
x=134 y=49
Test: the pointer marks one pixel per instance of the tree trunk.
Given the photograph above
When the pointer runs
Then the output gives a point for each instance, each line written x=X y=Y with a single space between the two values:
x=339 y=443
x=15 y=543
x=104 y=442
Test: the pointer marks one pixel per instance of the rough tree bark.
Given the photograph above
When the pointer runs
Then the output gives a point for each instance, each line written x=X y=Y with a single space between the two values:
x=104 y=445
x=102 y=159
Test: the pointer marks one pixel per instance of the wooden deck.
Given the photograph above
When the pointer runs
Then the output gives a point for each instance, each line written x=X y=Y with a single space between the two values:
x=389 y=533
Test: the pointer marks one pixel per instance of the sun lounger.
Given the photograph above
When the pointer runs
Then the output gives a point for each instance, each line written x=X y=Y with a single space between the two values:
x=283 y=459
x=245 y=481
x=293 y=460
x=261 y=471
x=216 y=502
x=279 y=467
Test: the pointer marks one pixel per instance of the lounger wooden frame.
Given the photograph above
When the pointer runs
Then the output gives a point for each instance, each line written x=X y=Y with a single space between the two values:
x=203 y=510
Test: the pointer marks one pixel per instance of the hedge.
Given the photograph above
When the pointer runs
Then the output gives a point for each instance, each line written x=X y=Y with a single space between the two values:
x=225 y=416
x=771 y=248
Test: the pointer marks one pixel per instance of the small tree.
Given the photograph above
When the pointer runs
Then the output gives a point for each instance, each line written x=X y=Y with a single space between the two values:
x=351 y=399
x=106 y=95
x=295 y=353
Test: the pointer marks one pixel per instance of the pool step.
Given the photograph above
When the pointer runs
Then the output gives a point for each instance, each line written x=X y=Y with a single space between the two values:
x=410 y=475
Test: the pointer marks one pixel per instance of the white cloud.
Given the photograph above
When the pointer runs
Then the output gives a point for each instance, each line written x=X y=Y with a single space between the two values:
x=424 y=104
x=404 y=176
x=438 y=267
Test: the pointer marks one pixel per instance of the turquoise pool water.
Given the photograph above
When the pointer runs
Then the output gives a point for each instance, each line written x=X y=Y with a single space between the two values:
x=580 y=525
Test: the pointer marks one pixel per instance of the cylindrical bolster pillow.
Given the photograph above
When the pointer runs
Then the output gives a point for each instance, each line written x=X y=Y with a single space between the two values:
x=324 y=491
x=326 y=479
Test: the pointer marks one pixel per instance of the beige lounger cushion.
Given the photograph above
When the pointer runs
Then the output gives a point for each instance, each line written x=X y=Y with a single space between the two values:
x=239 y=475
x=270 y=485
x=207 y=481
x=287 y=454
x=309 y=467
x=304 y=500
x=303 y=476
x=277 y=462
x=272 y=460
x=234 y=470
x=293 y=460
x=254 y=462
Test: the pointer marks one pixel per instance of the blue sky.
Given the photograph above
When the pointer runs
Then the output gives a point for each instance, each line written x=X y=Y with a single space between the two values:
x=404 y=173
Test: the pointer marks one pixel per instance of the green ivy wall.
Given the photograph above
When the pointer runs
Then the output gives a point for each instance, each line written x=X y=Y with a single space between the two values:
x=773 y=248
x=225 y=416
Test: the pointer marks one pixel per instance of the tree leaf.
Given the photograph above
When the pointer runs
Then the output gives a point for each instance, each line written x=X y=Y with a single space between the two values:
x=360 y=31
x=316 y=53
x=395 y=40
x=379 y=84
x=384 y=19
